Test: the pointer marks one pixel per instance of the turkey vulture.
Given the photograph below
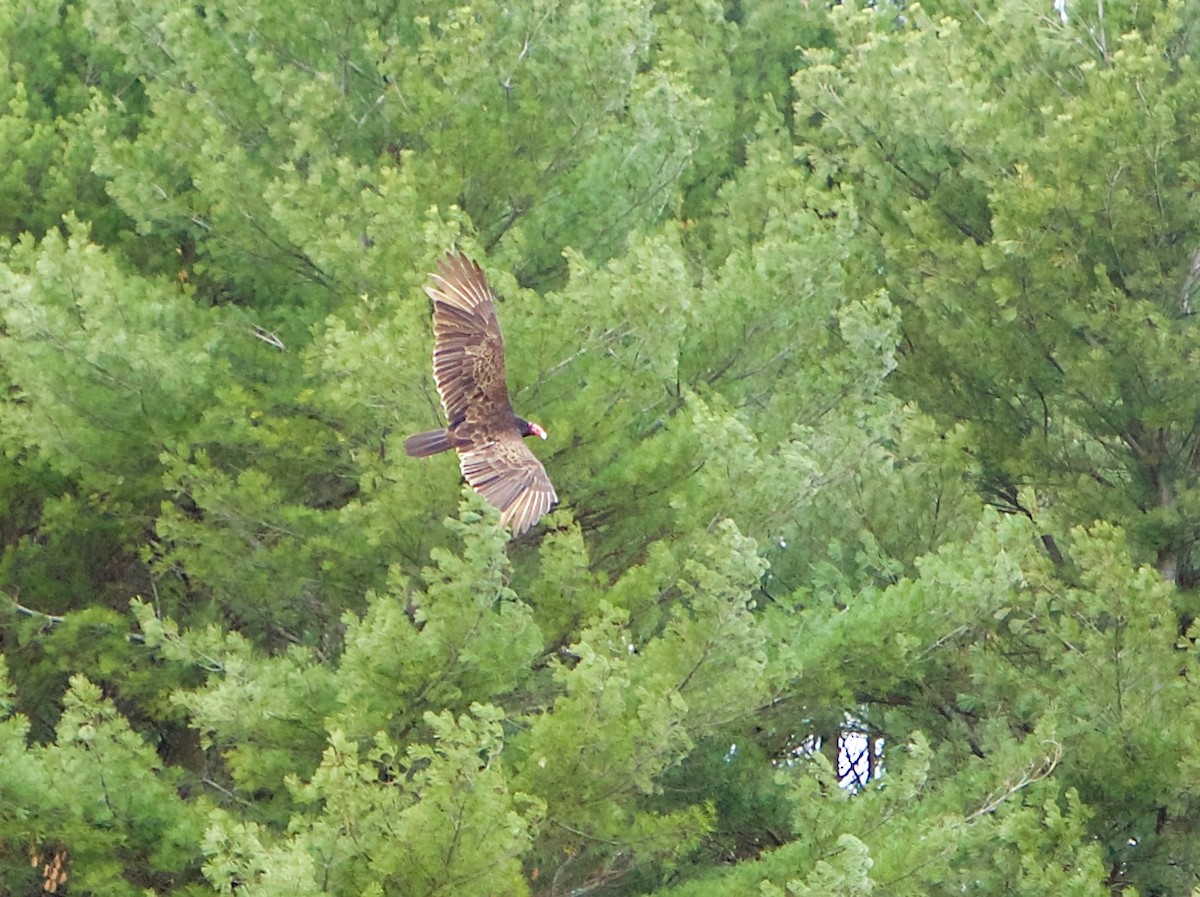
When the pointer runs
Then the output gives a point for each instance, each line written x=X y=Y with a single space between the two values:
x=468 y=368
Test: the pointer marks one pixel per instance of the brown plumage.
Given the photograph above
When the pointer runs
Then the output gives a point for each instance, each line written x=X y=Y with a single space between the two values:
x=468 y=368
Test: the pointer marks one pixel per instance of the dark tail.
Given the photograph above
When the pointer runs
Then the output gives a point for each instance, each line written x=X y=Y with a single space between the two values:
x=421 y=444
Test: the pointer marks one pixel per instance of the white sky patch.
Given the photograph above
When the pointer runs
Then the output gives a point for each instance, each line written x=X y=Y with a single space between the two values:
x=859 y=756
x=860 y=759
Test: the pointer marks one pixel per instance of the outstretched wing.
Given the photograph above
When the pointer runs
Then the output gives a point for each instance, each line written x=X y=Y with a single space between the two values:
x=506 y=473
x=468 y=349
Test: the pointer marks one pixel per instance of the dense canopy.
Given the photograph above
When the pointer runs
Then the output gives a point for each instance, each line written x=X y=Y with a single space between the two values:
x=865 y=340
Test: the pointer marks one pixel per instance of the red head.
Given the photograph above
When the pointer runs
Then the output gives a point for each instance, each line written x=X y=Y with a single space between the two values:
x=529 y=428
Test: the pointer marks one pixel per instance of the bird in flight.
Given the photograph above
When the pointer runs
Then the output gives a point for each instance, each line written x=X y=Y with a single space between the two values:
x=468 y=369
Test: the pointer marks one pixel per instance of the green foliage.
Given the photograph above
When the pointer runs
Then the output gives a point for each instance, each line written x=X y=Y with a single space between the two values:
x=437 y=818
x=1044 y=199
x=108 y=367
x=53 y=71
x=798 y=292
x=461 y=639
x=101 y=793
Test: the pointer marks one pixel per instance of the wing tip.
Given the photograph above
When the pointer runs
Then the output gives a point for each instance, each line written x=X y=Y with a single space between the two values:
x=529 y=506
x=457 y=274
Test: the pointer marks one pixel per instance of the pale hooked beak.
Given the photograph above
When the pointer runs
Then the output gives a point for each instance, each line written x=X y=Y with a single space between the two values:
x=537 y=431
